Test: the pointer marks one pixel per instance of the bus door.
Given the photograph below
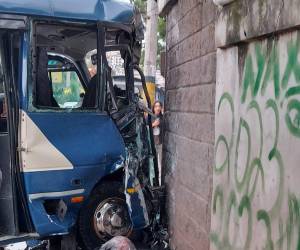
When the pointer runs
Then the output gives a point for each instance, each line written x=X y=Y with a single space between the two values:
x=68 y=142
x=9 y=171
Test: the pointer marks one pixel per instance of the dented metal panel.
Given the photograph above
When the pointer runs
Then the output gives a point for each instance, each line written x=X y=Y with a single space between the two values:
x=93 y=10
x=85 y=147
x=134 y=194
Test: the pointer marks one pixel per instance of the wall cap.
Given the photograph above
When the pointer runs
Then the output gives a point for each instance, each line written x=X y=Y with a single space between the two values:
x=244 y=20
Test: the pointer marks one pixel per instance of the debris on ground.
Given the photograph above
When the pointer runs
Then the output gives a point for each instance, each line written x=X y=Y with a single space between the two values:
x=118 y=243
x=160 y=239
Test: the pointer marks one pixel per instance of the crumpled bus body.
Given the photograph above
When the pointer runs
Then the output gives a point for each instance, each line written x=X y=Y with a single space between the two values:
x=56 y=156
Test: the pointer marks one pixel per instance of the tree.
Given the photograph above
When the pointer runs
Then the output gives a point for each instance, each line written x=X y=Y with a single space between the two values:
x=141 y=4
x=161 y=41
x=161 y=29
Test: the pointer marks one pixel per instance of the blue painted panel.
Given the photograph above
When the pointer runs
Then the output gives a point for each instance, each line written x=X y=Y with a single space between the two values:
x=23 y=71
x=88 y=10
x=92 y=143
x=34 y=7
x=47 y=225
x=137 y=215
x=58 y=181
x=62 y=180
x=84 y=138
x=112 y=11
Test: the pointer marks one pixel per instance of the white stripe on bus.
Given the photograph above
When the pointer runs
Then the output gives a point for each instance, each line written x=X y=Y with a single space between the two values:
x=55 y=194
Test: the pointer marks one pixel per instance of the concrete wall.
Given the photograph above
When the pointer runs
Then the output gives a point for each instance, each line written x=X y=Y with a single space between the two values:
x=244 y=20
x=189 y=136
x=256 y=175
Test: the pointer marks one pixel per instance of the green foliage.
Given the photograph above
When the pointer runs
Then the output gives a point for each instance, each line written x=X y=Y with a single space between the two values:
x=161 y=41
x=141 y=4
x=161 y=28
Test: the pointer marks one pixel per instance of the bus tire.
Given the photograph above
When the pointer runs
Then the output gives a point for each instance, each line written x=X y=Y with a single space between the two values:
x=108 y=198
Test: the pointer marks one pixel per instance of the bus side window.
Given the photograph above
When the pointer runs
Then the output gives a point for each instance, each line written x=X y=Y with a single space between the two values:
x=67 y=87
x=62 y=81
x=3 y=110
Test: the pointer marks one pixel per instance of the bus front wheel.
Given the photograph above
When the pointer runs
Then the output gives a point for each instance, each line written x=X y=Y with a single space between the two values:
x=104 y=216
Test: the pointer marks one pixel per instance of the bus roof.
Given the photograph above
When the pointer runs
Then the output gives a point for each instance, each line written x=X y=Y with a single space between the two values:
x=120 y=11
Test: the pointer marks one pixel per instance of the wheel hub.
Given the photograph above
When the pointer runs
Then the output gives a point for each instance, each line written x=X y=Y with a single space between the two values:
x=111 y=218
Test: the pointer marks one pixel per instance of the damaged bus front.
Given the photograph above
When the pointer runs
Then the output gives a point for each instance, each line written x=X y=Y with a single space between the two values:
x=76 y=152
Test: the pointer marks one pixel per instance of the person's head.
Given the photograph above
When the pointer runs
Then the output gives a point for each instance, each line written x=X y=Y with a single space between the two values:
x=157 y=108
x=93 y=70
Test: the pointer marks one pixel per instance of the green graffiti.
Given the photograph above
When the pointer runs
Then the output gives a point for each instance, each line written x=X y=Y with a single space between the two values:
x=252 y=166
x=260 y=62
x=272 y=73
x=272 y=104
x=293 y=66
x=250 y=81
x=227 y=96
x=222 y=242
x=292 y=91
x=222 y=139
x=293 y=221
x=232 y=203
x=214 y=238
x=254 y=105
x=240 y=184
x=262 y=215
x=281 y=234
x=245 y=204
x=259 y=170
x=218 y=196
x=293 y=124
x=220 y=169
x=278 y=203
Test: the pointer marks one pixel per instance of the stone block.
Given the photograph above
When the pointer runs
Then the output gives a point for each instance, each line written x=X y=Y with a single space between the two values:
x=208 y=13
x=193 y=234
x=199 y=71
x=206 y=39
x=198 y=211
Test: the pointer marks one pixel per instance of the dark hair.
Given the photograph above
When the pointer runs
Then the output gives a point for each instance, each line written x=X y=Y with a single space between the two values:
x=155 y=104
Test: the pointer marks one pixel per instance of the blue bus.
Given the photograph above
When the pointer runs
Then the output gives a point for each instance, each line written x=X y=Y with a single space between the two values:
x=76 y=154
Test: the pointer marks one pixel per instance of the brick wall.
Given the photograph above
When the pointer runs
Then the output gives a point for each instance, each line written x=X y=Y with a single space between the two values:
x=189 y=134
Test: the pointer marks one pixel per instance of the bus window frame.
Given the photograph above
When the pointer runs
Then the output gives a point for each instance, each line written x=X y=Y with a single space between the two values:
x=32 y=69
